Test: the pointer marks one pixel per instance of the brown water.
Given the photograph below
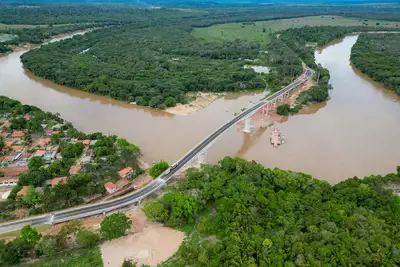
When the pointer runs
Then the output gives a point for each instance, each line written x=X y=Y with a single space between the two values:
x=355 y=133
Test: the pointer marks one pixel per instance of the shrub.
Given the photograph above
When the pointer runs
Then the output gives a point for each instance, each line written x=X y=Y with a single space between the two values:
x=87 y=239
x=158 y=168
x=115 y=226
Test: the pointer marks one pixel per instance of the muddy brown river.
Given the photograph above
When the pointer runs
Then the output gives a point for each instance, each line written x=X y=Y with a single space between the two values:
x=355 y=133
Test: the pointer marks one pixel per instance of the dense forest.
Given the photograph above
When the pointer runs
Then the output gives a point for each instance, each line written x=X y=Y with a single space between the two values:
x=148 y=56
x=241 y=214
x=378 y=56
x=38 y=34
x=298 y=38
x=151 y=66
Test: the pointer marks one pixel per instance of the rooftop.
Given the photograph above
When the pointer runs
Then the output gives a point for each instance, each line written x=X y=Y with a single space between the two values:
x=110 y=185
x=125 y=171
x=22 y=192
x=13 y=171
x=6 y=158
x=74 y=169
x=40 y=152
x=8 y=180
x=18 y=134
x=58 y=180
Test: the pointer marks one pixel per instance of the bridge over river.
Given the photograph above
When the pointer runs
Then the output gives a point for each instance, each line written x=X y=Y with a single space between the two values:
x=197 y=154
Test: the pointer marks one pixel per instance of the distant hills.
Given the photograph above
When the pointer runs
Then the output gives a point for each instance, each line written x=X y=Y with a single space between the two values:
x=212 y=2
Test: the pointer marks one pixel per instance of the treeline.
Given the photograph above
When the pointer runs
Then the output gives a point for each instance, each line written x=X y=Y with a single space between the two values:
x=202 y=14
x=303 y=40
x=4 y=48
x=285 y=63
x=38 y=34
x=245 y=215
x=152 y=66
x=298 y=38
x=378 y=56
x=30 y=244
x=155 y=61
x=65 y=13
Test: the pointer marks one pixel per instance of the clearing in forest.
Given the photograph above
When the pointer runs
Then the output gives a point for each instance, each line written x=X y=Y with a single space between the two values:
x=259 y=31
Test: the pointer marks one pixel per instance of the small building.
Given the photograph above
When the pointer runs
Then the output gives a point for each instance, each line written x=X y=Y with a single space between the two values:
x=18 y=134
x=7 y=181
x=39 y=153
x=53 y=148
x=93 y=142
x=6 y=160
x=58 y=180
x=51 y=132
x=5 y=124
x=86 y=159
x=9 y=144
x=50 y=155
x=125 y=172
x=13 y=171
x=110 y=187
x=86 y=142
x=27 y=117
x=22 y=192
x=75 y=169
x=26 y=156
x=43 y=142
x=18 y=148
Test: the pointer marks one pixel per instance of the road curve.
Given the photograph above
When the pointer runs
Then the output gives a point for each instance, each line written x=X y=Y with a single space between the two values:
x=134 y=197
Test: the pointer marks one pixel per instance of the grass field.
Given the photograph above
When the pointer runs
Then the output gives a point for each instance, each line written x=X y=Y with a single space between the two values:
x=259 y=31
x=40 y=229
x=77 y=258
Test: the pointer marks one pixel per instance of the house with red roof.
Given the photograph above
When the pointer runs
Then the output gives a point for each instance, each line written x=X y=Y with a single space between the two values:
x=6 y=160
x=125 y=172
x=110 y=187
x=58 y=180
x=22 y=192
x=39 y=153
x=18 y=134
x=7 y=181
x=75 y=169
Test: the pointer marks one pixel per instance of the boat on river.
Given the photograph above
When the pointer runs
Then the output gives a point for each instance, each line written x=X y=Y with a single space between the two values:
x=276 y=138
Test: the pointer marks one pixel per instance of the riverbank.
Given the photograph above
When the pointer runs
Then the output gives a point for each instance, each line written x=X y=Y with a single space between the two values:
x=378 y=56
x=309 y=139
x=147 y=243
x=263 y=120
x=202 y=100
x=54 y=38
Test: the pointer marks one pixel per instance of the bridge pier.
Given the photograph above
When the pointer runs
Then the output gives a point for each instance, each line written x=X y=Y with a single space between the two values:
x=265 y=110
x=247 y=125
x=201 y=159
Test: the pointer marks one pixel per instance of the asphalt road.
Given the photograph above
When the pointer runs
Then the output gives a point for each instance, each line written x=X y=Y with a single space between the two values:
x=134 y=197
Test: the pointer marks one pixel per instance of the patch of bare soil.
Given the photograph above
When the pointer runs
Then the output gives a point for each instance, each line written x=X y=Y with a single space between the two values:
x=202 y=101
x=150 y=244
x=142 y=180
